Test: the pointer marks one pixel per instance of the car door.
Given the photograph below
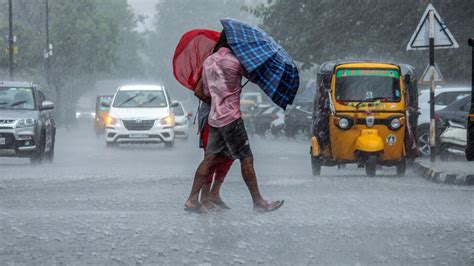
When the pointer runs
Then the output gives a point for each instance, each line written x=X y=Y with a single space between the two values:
x=457 y=111
x=47 y=120
x=446 y=98
x=180 y=115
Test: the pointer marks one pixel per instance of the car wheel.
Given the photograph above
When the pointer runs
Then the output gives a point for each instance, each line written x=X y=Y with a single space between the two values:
x=111 y=144
x=371 y=165
x=37 y=156
x=269 y=134
x=50 y=154
x=301 y=134
x=169 y=144
x=423 y=140
x=316 y=165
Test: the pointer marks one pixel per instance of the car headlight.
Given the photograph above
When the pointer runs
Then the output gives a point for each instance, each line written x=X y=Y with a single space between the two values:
x=25 y=122
x=111 y=121
x=395 y=123
x=167 y=121
x=344 y=123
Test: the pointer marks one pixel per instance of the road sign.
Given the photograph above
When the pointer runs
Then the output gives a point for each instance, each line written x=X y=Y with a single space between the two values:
x=431 y=70
x=442 y=36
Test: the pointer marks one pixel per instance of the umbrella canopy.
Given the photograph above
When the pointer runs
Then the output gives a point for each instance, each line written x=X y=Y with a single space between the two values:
x=268 y=64
x=192 y=49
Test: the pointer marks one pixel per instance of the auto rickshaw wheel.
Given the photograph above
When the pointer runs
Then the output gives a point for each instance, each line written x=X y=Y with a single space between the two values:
x=316 y=165
x=401 y=167
x=371 y=165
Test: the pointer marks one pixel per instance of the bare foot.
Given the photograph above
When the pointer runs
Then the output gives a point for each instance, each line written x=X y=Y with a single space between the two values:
x=265 y=206
x=192 y=206
x=219 y=202
x=210 y=207
x=208 y=204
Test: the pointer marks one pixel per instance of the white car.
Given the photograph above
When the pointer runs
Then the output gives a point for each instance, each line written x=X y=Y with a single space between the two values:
x=181 y=127
x=443 y=98
x=140 y=114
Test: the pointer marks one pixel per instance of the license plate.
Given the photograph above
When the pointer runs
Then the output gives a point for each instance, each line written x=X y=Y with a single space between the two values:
x=2 y=141
x=138 y=135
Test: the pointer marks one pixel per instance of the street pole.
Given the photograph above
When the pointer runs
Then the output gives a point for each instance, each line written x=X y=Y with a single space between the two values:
x=46 y=54
x=470 y=121
x=432 y=91
x=471 y=43
x=10 y=39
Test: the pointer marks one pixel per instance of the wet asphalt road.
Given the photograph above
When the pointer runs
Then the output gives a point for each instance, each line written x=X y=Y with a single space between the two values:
x=95 y=205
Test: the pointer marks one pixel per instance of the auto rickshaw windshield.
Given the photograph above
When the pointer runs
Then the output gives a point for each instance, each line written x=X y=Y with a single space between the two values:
x=363 y=85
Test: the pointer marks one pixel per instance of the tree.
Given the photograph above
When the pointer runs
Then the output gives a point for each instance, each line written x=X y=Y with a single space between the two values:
x=317 y=31
x=91 y=40
x=175 y=17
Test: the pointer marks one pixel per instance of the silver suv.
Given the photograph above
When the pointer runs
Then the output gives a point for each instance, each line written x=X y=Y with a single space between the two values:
x=27 y=126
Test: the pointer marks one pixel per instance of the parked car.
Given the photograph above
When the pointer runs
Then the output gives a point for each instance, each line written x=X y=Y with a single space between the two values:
x=298 y=121
x=456 y=112
x=27 y=125
x=263 y=119
x=140 y=114
x=181 y=127
x=443 y=98
x=454 y=116
x=453 y=142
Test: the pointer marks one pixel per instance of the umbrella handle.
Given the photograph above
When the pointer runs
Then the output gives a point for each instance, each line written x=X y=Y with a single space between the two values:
x=242 y=86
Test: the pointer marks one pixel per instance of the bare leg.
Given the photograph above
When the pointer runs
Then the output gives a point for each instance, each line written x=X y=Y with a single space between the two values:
x=202 y=173
x=221 y=171
x=250 y=178
x=215 y=191
x=205 y=191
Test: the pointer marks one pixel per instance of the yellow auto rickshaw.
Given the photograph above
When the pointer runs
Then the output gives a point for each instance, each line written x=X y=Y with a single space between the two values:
x=365 y=113
x=101 y=113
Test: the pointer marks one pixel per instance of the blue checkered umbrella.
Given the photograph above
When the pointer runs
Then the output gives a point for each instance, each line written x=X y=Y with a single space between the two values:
x=268 y=64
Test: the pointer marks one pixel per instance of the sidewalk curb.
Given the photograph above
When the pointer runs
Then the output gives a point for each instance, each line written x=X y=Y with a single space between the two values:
x=441 y=177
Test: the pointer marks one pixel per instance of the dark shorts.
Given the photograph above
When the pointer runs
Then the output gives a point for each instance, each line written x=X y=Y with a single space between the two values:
x=230 y=140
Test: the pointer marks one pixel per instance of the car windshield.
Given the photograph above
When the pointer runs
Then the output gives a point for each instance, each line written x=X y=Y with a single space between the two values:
x=17 y=98
x=364 y=85
x=140 y=99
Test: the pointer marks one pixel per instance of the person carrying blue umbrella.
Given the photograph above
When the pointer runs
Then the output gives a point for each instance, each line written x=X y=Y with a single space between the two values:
x=243 y=50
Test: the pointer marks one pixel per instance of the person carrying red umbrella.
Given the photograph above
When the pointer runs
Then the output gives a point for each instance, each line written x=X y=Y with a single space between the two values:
x=244 y=50
x=194 y=47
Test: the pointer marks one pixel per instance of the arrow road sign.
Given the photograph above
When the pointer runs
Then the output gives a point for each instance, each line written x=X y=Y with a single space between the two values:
x=442 y=36
x=431 y=70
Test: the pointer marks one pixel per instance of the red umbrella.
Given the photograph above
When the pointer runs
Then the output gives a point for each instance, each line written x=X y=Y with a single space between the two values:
x=193 y=48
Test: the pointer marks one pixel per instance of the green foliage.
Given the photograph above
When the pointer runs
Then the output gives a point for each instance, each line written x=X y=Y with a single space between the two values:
x=317 y=31
x=175 y=17
x=91 y=40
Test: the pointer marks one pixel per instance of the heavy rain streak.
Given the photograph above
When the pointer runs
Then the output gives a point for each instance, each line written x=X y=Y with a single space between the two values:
x=218 y=132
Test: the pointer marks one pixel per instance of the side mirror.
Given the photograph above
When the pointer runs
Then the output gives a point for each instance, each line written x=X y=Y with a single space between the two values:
x=105 y=104
x=407 y=78
x=47 y=105
x=174 y=104
x=189 y=114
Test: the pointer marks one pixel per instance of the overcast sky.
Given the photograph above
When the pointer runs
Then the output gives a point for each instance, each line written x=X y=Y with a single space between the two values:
x=144 y=7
